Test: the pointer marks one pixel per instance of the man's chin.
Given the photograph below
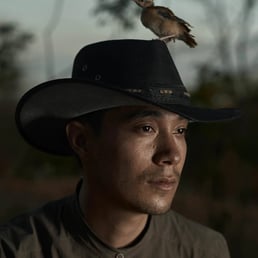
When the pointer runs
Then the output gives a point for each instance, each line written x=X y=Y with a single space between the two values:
x=157 y=209
x=159 y=212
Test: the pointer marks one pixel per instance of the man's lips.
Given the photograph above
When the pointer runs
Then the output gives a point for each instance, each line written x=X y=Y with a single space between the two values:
x=165 y=184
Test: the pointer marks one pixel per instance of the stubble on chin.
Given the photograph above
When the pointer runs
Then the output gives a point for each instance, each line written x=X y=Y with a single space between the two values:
x=153 y=201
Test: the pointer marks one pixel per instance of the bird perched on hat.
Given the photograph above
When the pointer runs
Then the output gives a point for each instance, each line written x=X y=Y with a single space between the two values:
x=164 y=23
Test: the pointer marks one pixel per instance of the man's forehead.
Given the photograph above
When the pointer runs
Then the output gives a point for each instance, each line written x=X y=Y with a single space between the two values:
x=136 y=112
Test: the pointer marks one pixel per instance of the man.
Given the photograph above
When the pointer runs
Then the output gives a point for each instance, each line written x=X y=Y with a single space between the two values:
x=124 y=114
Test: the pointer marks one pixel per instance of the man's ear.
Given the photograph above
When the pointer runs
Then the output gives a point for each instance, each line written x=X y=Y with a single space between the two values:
x=77 y=135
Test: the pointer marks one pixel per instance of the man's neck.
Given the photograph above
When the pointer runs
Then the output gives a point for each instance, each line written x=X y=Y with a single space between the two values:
x=114 y=227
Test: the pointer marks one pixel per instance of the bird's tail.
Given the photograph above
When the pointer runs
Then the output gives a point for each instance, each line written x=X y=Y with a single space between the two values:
x=189 y=40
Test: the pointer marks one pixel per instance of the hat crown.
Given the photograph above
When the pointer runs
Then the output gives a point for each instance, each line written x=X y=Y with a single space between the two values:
x=142 y=67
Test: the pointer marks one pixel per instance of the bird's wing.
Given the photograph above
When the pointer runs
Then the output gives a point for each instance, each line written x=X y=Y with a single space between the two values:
x=165 y=12
x=183 y=22
x=168 y=14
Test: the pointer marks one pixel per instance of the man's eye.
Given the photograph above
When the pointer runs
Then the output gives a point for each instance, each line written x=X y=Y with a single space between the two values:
x=181 y=130
x=147 y=129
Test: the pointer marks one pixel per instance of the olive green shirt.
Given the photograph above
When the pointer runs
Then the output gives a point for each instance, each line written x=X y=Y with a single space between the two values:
x=58 y=230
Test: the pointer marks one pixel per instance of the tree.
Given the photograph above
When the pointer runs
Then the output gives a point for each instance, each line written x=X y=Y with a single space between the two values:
x=12 y=41
x=234 y=40
x=122 y=11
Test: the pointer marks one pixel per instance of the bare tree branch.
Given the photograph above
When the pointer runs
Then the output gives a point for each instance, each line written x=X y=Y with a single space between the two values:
x=47 y=37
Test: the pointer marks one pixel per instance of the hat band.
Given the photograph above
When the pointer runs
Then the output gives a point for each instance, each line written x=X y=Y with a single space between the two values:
x=162 y=95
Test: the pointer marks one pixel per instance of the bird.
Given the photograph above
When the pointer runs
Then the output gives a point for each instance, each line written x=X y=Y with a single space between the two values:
x=164 y=23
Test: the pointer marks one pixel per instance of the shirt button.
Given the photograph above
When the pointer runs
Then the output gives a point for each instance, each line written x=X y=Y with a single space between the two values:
x=120 y=255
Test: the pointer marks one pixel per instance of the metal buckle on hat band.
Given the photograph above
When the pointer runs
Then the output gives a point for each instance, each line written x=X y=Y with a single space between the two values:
x=134 y=90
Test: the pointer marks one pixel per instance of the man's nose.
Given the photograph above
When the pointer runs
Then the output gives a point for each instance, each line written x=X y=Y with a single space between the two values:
x=168 y=151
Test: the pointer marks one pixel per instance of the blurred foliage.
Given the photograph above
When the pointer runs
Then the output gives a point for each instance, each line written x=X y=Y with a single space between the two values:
x=18 y=159
x=120 y=12
x=12 y=42
x=228 y=149
x=222 y=165
x=39 y=165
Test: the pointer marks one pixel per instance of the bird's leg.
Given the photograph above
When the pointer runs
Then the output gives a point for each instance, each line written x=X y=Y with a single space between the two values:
x=168 y=38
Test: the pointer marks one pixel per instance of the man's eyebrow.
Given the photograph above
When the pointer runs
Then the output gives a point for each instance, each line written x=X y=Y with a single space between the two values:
x=137 y=114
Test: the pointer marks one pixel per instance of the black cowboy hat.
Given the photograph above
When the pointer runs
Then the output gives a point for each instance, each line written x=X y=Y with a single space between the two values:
x=105 y=75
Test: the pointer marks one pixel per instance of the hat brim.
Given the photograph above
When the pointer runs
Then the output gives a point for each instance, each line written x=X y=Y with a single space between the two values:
x=44 y=111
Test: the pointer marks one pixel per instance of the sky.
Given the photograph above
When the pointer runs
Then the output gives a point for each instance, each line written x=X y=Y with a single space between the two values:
x=78 y=27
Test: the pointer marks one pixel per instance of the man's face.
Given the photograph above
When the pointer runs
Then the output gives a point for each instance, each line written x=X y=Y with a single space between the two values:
x=135 y=163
